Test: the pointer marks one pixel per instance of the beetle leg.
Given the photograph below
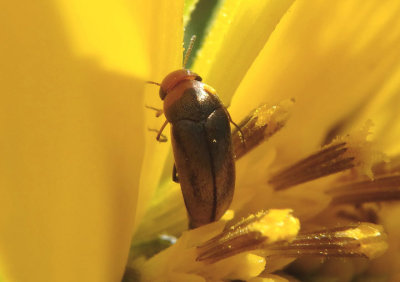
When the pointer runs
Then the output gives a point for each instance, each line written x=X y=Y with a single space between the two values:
x=160 y=137
x=159 y=112
x=237 y=127
x=175 y=177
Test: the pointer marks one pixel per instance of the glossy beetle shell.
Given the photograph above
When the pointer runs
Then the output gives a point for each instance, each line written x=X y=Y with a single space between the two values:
x=202 y=146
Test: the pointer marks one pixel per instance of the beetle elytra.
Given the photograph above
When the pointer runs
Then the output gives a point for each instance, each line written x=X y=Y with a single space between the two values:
x=201 y=141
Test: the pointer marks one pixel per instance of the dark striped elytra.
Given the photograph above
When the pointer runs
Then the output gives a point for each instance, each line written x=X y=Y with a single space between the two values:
x=202 y=144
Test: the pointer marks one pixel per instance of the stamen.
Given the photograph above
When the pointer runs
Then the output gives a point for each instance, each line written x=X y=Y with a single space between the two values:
x=388 y=166
x=381 y=189
x=343 y=153
x=327 y=161
x=259 y=125
x=357 y=213
x=363 y=240
x=251 y=233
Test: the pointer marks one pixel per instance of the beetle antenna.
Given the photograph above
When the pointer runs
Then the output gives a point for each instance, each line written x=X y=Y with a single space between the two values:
x=189 y=50
x=152 y=82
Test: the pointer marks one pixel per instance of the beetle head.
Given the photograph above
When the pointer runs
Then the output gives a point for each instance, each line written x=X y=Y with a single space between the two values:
x=174 y=78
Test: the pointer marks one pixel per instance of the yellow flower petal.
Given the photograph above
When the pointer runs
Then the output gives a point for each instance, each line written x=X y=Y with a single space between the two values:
x=113 y=35
x=270 y=278
x=240 y=267
x=72 y=131
x=329 y=56
x=165 y=37
x=238 y=33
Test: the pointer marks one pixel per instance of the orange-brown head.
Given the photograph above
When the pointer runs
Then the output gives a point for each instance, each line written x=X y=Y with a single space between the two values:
x=174 y=78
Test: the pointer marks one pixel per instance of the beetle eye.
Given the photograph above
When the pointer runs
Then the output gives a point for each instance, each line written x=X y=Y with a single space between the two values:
x=162 y=93
x=198 y=78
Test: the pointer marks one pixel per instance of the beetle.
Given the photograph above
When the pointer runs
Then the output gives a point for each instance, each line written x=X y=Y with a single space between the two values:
x=202 y=144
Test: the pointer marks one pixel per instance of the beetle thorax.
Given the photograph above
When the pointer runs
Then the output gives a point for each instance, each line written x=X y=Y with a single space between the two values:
x=174 y=78
x=189 y=100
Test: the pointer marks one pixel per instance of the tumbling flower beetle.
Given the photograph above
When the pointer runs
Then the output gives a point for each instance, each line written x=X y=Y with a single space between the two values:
x=201 y=142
